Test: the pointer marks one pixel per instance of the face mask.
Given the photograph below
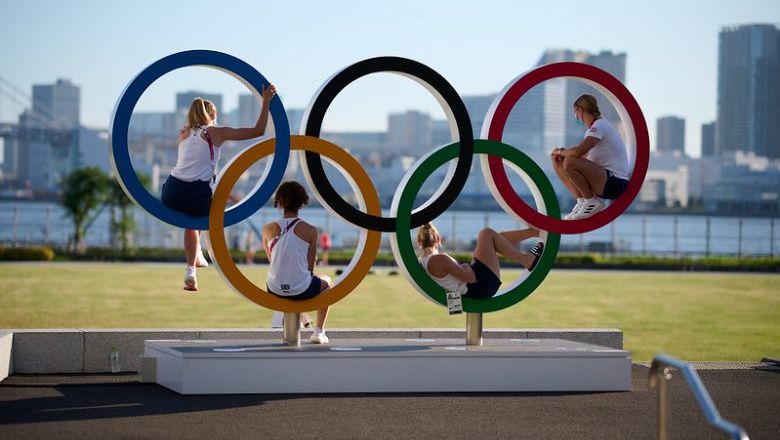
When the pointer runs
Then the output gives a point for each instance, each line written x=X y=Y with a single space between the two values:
x=579 y=121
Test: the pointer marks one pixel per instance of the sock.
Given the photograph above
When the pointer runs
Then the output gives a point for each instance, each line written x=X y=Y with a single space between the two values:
x=190 y=269
x=592 y=200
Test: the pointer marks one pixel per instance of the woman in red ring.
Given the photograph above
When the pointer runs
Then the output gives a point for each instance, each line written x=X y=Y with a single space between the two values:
x=595 y=169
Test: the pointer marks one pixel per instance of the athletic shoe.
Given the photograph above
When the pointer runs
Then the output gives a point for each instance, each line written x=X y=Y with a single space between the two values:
x=200 y=260
x=575 y=210
x=306 y=321
x=589 y=208
x=537 y=253
x=190 y=279
x=319 y=337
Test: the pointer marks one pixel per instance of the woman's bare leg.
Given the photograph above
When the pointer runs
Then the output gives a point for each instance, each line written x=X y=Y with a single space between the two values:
x=191 y=245
x=516 y=236
x=490 y=243
x=587 y=176
x=322 y=314
x=561 y=172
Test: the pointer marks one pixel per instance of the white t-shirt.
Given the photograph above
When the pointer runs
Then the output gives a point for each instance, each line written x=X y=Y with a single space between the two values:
x=610 y=151
x=194 y=160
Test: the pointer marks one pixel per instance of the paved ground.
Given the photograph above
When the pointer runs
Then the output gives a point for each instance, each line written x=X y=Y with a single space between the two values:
x=100 y=406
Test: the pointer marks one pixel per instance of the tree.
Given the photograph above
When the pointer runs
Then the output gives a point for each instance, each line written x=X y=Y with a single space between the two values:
x=123 y=224
x=83 y=197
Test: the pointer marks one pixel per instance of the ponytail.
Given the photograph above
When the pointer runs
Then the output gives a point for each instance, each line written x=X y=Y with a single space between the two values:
x=199 y=113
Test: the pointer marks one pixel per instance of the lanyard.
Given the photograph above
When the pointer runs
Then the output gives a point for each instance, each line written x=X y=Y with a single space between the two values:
x=276 y=239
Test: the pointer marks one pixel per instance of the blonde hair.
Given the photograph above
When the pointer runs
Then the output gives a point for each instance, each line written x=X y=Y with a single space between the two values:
x=200 y=113
x=428 y=235
x=588 y=104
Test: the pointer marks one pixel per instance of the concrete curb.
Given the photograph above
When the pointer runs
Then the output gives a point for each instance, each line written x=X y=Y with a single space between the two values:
x=6 y=363
x=47 y=351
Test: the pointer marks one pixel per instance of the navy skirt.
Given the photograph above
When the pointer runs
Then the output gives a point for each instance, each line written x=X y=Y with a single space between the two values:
x=190 y=198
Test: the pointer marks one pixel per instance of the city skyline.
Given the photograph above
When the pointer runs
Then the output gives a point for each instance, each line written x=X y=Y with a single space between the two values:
x=298 y=64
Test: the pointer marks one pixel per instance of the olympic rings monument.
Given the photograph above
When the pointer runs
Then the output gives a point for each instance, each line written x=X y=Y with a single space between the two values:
x=381 y=365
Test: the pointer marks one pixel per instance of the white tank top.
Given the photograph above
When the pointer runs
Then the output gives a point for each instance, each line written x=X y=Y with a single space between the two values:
x=448 y=282
x=289 y=274
x=194 y=161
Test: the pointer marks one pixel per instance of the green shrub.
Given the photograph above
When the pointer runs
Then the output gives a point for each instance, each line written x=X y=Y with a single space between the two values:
x=42 y=253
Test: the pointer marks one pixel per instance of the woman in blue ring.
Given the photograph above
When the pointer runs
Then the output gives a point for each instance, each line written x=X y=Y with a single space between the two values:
x=481 y=278
x=189 y=187
x=595 y=169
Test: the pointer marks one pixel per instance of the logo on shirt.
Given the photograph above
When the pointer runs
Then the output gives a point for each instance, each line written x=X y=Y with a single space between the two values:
x=285 y=288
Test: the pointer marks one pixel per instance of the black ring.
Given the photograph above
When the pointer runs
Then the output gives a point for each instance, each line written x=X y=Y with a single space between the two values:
x=313 y=124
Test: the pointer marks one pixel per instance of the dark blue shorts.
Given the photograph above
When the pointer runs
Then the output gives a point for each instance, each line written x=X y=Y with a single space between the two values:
x=190 y=198
x=487 y=283
x=615 y=186
x=313 y=290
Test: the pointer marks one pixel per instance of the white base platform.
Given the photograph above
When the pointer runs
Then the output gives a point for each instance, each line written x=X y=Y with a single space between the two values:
x=387 y=366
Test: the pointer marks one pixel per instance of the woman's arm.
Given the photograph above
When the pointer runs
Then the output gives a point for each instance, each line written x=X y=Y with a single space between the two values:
x=312 y=255
x=222 y=134
x=270 y=230
x=578 y=151
x=462 y=272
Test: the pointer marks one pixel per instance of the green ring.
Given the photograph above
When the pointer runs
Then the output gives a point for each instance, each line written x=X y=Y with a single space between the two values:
x=403 y=226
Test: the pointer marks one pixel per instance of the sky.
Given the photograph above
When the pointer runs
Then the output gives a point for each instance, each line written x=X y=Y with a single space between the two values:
x=671 y=46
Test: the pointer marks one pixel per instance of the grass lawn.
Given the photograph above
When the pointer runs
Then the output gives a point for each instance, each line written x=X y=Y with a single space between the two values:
x=695 y=316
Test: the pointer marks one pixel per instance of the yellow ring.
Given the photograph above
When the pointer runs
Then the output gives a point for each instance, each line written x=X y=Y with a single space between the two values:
x=349 y=279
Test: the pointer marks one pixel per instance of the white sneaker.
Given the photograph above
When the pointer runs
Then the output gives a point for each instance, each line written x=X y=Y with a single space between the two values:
x=574 y=210
x=589 y=208
x=190 y=279
x=319 y=337
x=200 y=260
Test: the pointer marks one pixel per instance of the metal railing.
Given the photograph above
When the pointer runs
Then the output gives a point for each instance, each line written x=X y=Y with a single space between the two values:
x=659 y=375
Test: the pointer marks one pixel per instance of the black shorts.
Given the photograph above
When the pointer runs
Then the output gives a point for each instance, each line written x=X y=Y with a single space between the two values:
x=313 y=290
x=487 y=283
x=615 y=186
x=190 y=198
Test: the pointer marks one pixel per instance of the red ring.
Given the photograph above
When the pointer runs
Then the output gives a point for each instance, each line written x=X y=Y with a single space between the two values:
x=498 y=120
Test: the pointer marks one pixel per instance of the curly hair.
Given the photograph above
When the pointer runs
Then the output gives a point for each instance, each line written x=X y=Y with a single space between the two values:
x=290 y=196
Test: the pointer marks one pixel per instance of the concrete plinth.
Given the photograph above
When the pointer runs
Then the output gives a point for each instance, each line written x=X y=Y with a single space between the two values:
x=388 y=366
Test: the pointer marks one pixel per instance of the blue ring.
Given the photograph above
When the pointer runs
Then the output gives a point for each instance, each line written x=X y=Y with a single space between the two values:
x=120 y=121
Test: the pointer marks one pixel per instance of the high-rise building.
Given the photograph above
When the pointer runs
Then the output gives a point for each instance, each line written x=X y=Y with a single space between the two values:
x=248 y=110
x=477 y=106
x=409 y=132
x=708 y=139
x=670 y=134
x=56 y=105
x=749 y=90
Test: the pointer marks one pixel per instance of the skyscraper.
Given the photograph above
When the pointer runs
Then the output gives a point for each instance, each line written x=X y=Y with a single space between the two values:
x=248 y=110
x=409 y=132
x=708 y=139
x=749 y=90
x=56 y=105
x=670 y=134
